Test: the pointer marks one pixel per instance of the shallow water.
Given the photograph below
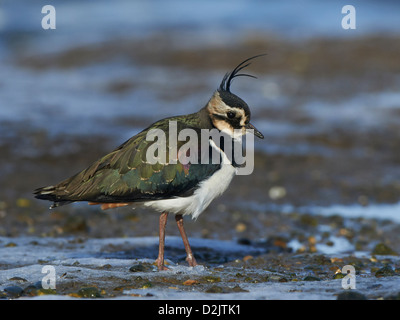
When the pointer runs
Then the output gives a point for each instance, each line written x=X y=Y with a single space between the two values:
x=77 y=266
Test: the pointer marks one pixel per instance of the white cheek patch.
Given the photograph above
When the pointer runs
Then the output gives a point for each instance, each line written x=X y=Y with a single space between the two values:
x=220 y=108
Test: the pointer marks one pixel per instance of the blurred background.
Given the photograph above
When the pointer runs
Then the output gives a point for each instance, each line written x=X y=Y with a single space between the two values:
x=326 y=99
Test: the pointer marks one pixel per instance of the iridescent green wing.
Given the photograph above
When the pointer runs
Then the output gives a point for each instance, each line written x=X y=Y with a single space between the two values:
x=127 y=175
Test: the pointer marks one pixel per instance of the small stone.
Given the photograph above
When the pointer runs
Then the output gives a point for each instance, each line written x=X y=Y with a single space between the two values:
x=240 y=227
x=386 y=271
x=18 y=279
x=142 y=267
x=339 y=275
x=246 y=258
x=224 y=289
x=238 y=289
x=31 y=290
x=137 y=268
x=383 y=249
x=89 y=292
x=351 y=295
x=190 y=282
x=244 y=241
x=273 y=277
x=11 y=244
x=311 y=278
x=312 y=240
x=212 y=279
x=41 y=292
x=147 y=285
x=14 y=291
x=277 y=192
x=215 y=289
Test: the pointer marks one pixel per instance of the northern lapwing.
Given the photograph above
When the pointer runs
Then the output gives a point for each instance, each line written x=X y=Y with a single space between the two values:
x=126 y=177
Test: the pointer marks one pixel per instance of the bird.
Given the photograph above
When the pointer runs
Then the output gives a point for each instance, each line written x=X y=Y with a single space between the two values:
x=125 y=177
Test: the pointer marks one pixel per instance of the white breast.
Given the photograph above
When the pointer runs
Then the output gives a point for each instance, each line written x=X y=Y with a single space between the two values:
x=208 y=190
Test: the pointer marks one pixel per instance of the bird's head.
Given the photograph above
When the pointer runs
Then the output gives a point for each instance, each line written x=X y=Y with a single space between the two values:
x=229 y=112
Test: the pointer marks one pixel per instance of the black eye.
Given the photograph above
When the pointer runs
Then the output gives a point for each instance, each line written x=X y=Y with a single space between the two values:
x=231 y=115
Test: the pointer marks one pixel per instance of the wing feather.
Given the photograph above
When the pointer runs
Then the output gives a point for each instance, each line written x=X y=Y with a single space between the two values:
x=124 y=176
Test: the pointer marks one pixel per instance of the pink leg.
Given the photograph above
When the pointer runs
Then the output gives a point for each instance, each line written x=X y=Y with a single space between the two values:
x=160 y=259
x=190 y=258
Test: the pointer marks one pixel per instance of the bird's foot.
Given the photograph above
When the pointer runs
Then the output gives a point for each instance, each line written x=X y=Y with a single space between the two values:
x=192 y=261
x=160 y=265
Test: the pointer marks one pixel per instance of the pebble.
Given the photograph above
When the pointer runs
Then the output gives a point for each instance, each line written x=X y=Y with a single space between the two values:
x=215 y=289
x=140 y=268
x=277 y=192
x=351 y=295
x=383 y=249
x=14 y=291
x=190 y=282
x=386 y=271
x=89 y=292
x=311 y=278
x=212 y=279
x=246 y=258
x=137 y=268
x=18 y=279
x=339 y=275
x=240 y=227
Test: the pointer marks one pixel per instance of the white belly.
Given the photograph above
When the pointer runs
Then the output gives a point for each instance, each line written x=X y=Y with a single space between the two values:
x=207 y=191
x=195 y=204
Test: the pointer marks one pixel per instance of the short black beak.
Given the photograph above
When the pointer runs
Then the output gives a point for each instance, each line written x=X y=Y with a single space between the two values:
x=256 y=132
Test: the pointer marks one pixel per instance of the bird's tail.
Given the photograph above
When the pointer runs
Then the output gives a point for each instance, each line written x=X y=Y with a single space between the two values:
x=50 y=193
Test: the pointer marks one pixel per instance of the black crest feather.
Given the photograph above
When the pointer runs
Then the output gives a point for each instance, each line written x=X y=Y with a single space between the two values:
x=227 y=80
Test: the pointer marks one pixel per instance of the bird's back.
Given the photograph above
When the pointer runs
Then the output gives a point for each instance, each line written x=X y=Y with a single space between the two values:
x=126 y=175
